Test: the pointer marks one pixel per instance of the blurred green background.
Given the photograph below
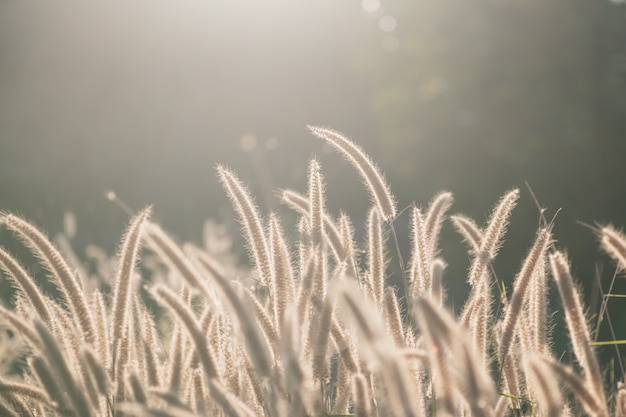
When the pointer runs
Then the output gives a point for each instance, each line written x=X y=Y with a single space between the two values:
x=472 y=96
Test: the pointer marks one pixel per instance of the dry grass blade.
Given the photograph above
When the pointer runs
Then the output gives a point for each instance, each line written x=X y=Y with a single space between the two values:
x=371 y=175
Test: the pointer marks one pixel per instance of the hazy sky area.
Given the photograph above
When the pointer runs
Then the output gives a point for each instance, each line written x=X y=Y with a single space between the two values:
x=146 y=97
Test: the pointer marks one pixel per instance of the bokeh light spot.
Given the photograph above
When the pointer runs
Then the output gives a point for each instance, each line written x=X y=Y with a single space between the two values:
x=370 y=6
x=248 y=142
x=387 y=23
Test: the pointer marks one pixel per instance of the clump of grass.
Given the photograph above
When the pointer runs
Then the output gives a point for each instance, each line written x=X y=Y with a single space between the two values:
x=320 y=332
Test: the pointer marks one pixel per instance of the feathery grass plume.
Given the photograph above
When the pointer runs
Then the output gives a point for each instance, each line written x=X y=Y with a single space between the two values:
x=176 y=260
x=6 y=411
x=251 y=220
x=301 y=204
x=393 y=319
x=398 y=387
x=445 y=335
x=434 y=218
x=509 y=371
x=584 y=392
x=546 y=388
x=306 y=283
x=375 y=342
x=86 y=380
x=27 y=285
x=138 y=321
x=200 y=397
x=420 y=273
x=479 y=327
x=26 y=391
x=231 y=405
x=22 y=327
x=381 y=353
x=175 y=359
x=347 y=241
x=319 y=287
x=344 y=347
x=254 y=393
x=135 y=385
x=437 y=266
x=470 y=231
x=323 y=323
x=186 y=316
x=128 y=257
x=370 y=174
x=342 y=390
x=282 y=276
x=62 y=369
x=151 y=348
x=142 y=410
x=576 y=324
x=614 y=243
x=122 y=357
x=97 y=370
x=294 y=377
x=101 y=320
x=266 y=324
x=68 y=283
x=50 y=383
x=538 y=309
x=316 y=202
x=521 y=286
x=492 y=236
x=376 y=256
x=257 y=346
x=207 y=321
x=620 y=401
x=22 y=407
x=171 y=398
x=361 y=395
